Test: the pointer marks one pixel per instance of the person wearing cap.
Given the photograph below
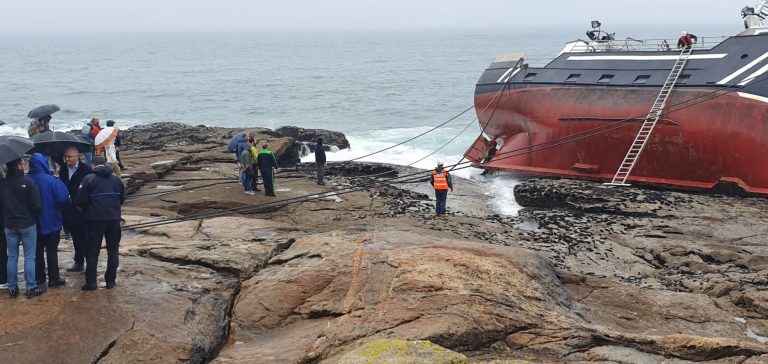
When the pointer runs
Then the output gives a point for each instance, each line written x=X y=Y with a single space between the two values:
x=687 y=40
x=442 y=182
x=21 y=204
x=101 y=195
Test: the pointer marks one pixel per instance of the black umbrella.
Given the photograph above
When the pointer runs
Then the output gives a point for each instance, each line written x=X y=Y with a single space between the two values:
x=13 y=147
x=42 y=111
x=53 y=142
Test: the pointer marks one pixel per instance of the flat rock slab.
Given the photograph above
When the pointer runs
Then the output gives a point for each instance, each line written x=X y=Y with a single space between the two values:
x=457 y=294
x=159 y=312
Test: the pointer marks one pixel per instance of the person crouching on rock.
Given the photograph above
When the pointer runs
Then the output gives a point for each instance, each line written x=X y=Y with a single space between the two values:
x=320 y=161
x=54 y=197
x=441 y=181
x=100 y=195
x=267 y=162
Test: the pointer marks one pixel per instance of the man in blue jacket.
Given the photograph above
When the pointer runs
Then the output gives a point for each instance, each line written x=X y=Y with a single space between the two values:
x=100 y=196
x=54 y=197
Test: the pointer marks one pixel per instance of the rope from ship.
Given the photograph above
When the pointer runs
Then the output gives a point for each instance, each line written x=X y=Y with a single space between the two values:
x=416 y=137
x=419 y=175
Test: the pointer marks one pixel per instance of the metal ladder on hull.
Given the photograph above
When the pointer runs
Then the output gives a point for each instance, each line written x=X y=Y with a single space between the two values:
x=630 y=160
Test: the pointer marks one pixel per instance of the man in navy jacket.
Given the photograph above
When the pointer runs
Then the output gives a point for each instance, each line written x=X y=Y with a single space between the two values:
x=101 y=195
x=72 y=174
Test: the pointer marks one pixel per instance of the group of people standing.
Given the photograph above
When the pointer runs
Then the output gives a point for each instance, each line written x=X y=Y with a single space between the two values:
x=82 y=198
x=110 y=150
x=253 y=161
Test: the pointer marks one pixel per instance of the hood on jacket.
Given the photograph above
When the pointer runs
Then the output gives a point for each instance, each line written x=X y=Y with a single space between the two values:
x=102 y=170
x=38 y=164
x=319 y=142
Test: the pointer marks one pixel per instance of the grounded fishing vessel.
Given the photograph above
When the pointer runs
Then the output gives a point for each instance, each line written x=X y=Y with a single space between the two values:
x=586 y=113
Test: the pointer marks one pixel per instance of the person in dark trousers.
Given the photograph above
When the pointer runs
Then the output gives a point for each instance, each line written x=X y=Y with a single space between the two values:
x=687 y=40
x=240 y=146
x=246 y=168
x=254 y=164
x=72 y=174
x=320 y=161
x=21 y=207
x=268 y=168
x=441 y=181
x=54 y=198
x=101 y=195
x=118 y=144
x=3 y=246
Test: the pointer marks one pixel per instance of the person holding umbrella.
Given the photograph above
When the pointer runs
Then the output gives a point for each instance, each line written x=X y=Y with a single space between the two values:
x=118 y=144
x=106 y=140
x=53 y=143
x=54 y=197
x=41 y=118
x=11 y=149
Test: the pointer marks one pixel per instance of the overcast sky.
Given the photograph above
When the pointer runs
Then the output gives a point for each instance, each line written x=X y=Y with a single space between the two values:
x=65 y=16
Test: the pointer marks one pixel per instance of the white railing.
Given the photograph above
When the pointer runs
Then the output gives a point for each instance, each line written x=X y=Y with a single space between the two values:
x=649 y=45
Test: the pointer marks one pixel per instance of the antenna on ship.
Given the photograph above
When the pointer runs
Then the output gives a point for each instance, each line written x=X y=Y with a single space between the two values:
x=755 y=16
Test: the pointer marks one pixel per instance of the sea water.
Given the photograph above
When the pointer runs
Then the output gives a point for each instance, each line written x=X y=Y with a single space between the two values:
x=379 y=88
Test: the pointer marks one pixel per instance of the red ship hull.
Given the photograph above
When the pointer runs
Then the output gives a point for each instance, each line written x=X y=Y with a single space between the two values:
x=708 y=144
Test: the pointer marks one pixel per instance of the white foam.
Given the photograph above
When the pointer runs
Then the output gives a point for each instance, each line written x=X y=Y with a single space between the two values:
x=13 y=130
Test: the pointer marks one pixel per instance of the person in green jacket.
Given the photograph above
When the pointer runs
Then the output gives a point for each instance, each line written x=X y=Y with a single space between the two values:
x=267 y=163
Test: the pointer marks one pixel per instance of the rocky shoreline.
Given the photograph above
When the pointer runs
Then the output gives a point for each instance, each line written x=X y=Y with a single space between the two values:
x=585 y=273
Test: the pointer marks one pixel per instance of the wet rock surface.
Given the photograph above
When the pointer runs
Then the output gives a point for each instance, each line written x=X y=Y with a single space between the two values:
x=330 y=138
x=585 y=273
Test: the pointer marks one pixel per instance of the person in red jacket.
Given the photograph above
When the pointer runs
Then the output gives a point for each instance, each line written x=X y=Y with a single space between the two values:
x=687 y=40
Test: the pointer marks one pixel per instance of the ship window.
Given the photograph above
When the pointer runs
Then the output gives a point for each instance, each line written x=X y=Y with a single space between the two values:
x=683 y=79
x=530 y=76
x=573 y=77
x=605 y=79
x=642 y=79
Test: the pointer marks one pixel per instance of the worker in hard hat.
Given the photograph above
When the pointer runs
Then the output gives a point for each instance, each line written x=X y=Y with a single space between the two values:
x=687 y=40
x=441 y=181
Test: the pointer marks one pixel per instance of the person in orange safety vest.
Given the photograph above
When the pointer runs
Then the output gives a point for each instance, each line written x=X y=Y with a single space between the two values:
x=442 y=182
